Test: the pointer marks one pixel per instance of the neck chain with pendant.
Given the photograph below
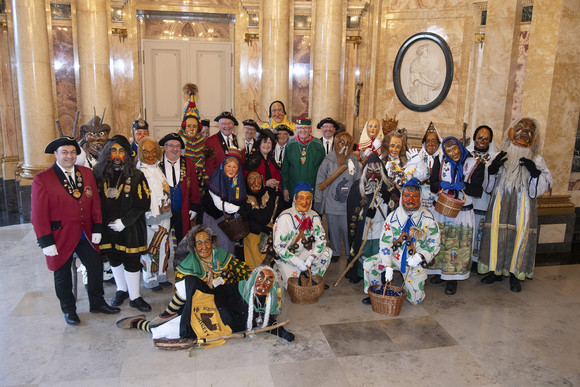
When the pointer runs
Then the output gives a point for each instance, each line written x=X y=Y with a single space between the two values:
x=113 y=192
x=304 y=151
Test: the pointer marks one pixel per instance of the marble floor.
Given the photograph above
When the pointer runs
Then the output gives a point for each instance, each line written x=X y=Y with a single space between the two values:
x=482 y=336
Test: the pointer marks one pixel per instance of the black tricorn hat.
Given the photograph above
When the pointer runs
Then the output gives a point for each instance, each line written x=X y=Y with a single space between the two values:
x=328 y=120
x=285 y=128
x=55 y=144
x=172 y=136
x=252 y=123
x=227 y=115
x=268 y=133
x=204 y=122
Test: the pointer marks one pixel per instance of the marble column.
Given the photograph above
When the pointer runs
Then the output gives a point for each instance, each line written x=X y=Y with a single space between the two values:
x=327 y=52
x=551 y=88
x=93 y=52
x=275 y=52
x=8 y=198
x=35 y=94
x=495 y=92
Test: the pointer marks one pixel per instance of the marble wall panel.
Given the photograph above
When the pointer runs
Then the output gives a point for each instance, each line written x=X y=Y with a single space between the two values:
x=7 y=100
x=64 y=73
x=179 y=29
x=126 y=100
x=172 y=4
x=519 y=73
x=350 y=79
x=396 y=30
x=425 y=4
x=300 y=76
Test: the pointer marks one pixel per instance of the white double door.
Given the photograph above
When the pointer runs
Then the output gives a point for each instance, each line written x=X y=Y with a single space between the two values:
x=168 y=65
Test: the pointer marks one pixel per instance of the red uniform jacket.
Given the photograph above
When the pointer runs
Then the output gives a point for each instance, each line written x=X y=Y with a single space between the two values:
x=216 y=142
x=190 y=196
x=60 y=213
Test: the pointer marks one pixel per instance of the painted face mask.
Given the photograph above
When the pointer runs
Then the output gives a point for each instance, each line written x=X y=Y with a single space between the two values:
x=117 y=156
x=264 y=282
x=149 y=153
x=203 y=245
x=524 y=133
x=411 y=200
x=303 y=201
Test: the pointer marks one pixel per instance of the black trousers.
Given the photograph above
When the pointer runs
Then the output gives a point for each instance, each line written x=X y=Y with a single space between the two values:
x=131 y=263
x=63 y=278
x=177 y=223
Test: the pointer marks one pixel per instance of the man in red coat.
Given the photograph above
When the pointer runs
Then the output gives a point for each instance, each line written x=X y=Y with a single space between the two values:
x=66 y=215
x=182 y=178
x=221 y=141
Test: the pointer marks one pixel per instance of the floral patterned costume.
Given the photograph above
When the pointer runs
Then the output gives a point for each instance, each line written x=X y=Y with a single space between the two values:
x=426 y=243
x=286 y=228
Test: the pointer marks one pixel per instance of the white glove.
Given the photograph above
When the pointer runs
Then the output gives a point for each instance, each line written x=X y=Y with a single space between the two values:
x=351 y=168
x=376 y=143
x=367 y=152
x=50 y=251
x=412 y=153
x=301 y=266
x=117 y=225
x=96 y=238
x=154 y=227
x=217 y=282
x=192 y=214
x=309 y=260
x=231 y=208
x=415 y=260
x=388 y=274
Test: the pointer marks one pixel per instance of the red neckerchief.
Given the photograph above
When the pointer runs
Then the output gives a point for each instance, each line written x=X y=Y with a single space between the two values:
x=305 y=224
x=307 y=140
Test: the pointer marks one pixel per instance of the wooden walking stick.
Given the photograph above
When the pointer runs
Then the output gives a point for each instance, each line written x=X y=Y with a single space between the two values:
x=351 y=264
x=179 y=344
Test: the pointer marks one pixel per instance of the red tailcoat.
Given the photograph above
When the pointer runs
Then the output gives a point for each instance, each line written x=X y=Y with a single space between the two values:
x=58 y=217
x=189 y=185
x=215 y=142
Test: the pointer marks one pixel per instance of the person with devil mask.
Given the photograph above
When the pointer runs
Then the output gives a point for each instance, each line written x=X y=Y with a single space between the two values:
x=370 y=200
x=299 y=238
x=517 y=176
x=93 y=136
x=125 y=197
x=337 y=173
x=409 y=240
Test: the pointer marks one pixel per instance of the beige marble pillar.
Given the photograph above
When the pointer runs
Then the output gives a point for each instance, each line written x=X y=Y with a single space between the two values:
x=327 y=52
x=551 y=88
x=93 y=52
x=495 y=93
x=32 y=56
x=275 y=39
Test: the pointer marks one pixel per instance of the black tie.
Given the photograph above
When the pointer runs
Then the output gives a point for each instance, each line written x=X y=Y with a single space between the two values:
x=70 y=179
x=173 y=173
x=228 y=142
x=248 y=149
x=327 y=147
x=281 y=155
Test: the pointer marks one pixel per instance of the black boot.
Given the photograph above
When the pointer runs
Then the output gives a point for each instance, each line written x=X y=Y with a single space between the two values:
x=474 y=267
x=515 y=284
x=436 y=279
x=451 y=287
x=366 y=301
x=491 y=278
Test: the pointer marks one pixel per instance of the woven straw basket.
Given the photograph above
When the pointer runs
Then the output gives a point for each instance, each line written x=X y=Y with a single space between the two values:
x=447 y=205
x=389 y=305
x=305 y=294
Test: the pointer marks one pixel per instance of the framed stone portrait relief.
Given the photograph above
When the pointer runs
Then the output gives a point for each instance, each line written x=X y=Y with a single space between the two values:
x=423 y=71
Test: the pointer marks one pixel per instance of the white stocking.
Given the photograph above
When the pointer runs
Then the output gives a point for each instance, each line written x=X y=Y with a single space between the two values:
x=119 y=275
x=133 y=284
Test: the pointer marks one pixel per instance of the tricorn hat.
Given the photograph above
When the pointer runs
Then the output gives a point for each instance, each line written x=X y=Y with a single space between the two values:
x=328 y=120
x=65 y=140
x=227 y=115
x=252 y=123
x=172 y=136
x=284 y=128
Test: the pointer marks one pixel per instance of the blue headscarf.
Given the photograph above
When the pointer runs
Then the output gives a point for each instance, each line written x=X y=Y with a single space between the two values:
x=229 y=190
x=456 y=166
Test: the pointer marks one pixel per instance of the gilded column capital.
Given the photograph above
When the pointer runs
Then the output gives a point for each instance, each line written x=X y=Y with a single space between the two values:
x=28 y=171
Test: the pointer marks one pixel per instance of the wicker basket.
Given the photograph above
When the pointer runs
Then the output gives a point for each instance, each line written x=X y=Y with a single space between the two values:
x=389 y=305
x=306 y=294
x=449 y=206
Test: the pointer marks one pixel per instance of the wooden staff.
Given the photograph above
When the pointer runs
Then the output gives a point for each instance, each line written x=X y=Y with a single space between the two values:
x=351 y=264
x=333 y=177
x=178 y=344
